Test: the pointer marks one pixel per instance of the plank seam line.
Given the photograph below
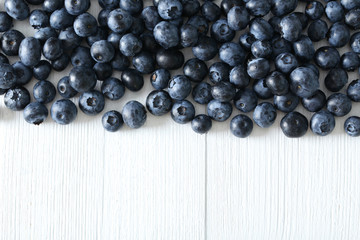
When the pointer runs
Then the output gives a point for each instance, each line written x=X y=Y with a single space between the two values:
x=206 y=185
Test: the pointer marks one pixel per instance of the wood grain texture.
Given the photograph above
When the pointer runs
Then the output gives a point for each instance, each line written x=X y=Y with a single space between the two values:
x=163 y=181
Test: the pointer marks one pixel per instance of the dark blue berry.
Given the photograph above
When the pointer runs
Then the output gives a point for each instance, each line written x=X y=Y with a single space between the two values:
x=261 y=49
x=315 y=102
x=241 y=126
x=334 y=11
x=261 y=29
x=35 y=113
x=238 y=77
x=119 y=20
x=304 y=49
x=6 y=22
x=52 y=49
x=355 y=42
x=42 y=70
x=350 y=61
x=120 y=62
x=223 y=91
x=23 y=73
x=160 y=78
x=210 y=11
x=39 y=19
x=112 y=121
x=264 y=115
x=322 y=123
x=219 y=111
x=238 y=18
x=17 y=98
x=170 y=9
x=60 y=19
x=338 y=104
x=113 y=88
x=336 y=79
x=258 y=68
x=134 y=114
x=63 y=111
x=352 y=126
x=232 y=54
x=286 y=62
x=188 y=35
x=261 y=90
x=81 y=57
x=30 y=51
x=294 y=125
x=91 y=102
x=158 y=102
x=314 y=10
x=179 y=87
x=202 y=93
x=69 y=39
x=195 y=69
x=44 y=91
x=353 y=90
x=82 y=79
x=338 y=35
x=283 y=7
x=290 y=28
x=201 y=124
x=17 y=9
x=327 y=57
x=7 y=76
x=221 y=32
x=277 y=83
x=286 y=103
x=219 y=71
x=303 y=82
x=64 y=88
x=245 y=100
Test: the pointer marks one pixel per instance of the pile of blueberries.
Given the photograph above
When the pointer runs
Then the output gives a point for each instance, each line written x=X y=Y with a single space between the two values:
x=274 y=58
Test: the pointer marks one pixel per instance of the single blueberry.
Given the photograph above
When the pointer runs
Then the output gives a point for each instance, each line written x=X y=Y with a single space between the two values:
x=112 y=121
x=63 y=111
x=134 y=114
x=35 y=113
x=158 y=102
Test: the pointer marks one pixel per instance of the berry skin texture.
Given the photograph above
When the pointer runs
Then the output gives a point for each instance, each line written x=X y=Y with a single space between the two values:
x=221 y=32
x=134 y=114
x=245 y=100
x=39 y=19
x=201 y=93
x=113 y=88
x=258 y=68
x=179 y=87
x=322 y=123
x=206 y=48
x=327 y=57
x=64 y=88
x=7 y=76
x=17 y=98
x=23 y=73
x=130 y=45
x=241 y=126
x=317 y=30
x=336 y=79
x=315 y=102
x=238 y=77
x=290 y=28
x=63 y=111
x=303 y=82
x=170 y=9
x=60 y=19
x=294 y=125
x=277 y=83
x=353 y=90
x=112 y=121
x=160 y=78
x=182 y=111
x=223 y=91
x=201 y=124
x=286 y=103
x=264 y=115
x=85 y=25
x=144 y=62
x=169 y=59
x=355 y=42
x=119 y=20
x=334 y=11
x=219 y=111
x=10 y=42
x=132 y=80
x=188 y=35
x=158 y=102
x=232 y=54
x=76 y=7
x=238 y=18
x=17 y=9
x=30 y=51
x=91 y=102
x=352 y=126
x=218 y=72
x=42 y=70
x=350 y=61
x=338 y=35
x=35 y=113
x=261 y=90
x=195 y=69
x=52 y=49
x=338 y=104
x=102 y=51
x=82 y=79
x=286 y=62
x=44 y=91
x=166 y=34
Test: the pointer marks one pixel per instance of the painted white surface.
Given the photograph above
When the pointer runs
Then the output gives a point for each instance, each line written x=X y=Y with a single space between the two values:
x=163 y=181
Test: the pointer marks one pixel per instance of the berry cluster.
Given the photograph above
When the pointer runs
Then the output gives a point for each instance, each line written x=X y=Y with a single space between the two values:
x=274 y=58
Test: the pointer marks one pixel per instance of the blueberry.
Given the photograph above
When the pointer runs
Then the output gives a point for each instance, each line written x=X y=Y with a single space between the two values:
x=261 y=29
x=6 y=22
x=151 y=17
x=304 y=49
x=277 y=83
x=336 y=79
x=210 y=11
x=120 y=62
x=144 y=62
x=64 y=88
x=245 y=100
x=221 y=32
x=219 y=111
x=52 y=5
x=63 y=111
x=119 y=20
x=17 y=98
x=275 y=23
x=322 y=123
x=286 y=62
x=283 y=7
x=352 y=18
x=350 y=4
x=30 y=51
x=112 y=121
x=7 y=76
x=338 y=104
x=102 y=17
x=303 y=82
x=219 y=71
x=44 y=34
x=315 y=102
x=258 y=8
x=3 y=58
x=61 y=63
x=169 y=59
x=134 y=114
x=350 y=61
x=246 y=40
x=158 y=102
x=355 y=42
x=201 y=124
x=280 y=45
x=44 y=91
x=261 y=89
x=22 y=73
x=130 y=45
x=352 y=126
x=338 y=35
x=102 y=51
x=113 y=88
x=238 y=77
x=232 y=53
x=226 y=5
x=17 y=9
x=290 y=28
x=166 y=34
x=103 y=71
x=10 y=42
x=132 y=80
x=195 y=69
x=258 y=68
x=76 y=7
x=85 y=25
x=190 y=7
x=317 y=30
x=302 y=17
x=294 y=125
x=42 y=70
x=109 y=4
x=202 y=93
x=314 y=10
x=101 y=34
x=286 y=103
x=39 y=19
x=149 y=43
x=35 y=113
x=238 y=18
x=353 y=90
x=200 y=23
x=261 y=49
x=327 y=57
x=69 y=39
x=160 y=78
x=81 y=57
x=138 y=26
x=334 y=11
x=188 y=35
x=223 y=91
x=52 y=49
x=241 y=126
x=264 y=114
x=60 y=19
x=82 y=79
x=312 y=67
x=179 y=87
x=91 y=102
x=170 y=9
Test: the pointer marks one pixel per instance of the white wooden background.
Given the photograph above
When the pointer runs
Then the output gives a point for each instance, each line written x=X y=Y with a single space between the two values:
x=163 y=181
